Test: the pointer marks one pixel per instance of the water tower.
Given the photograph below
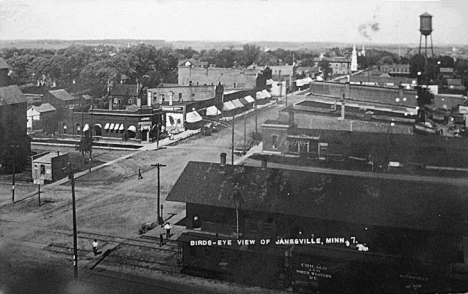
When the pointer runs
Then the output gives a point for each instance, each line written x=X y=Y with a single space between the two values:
x=425 y=28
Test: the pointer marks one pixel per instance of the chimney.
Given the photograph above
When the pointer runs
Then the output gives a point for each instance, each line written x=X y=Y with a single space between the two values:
x=171 y=98
x=264 y=163
x=223 y=159
x=149 y=98
x=137 y=88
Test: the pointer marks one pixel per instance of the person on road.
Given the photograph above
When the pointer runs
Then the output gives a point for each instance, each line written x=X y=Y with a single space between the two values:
x=140 y=177
x=168 y=227
x=161 y=240
x=95 y=247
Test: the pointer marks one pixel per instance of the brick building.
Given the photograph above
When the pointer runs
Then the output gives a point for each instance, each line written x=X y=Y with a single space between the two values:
x=396 y=70
x=14 y=142
x=231 y=78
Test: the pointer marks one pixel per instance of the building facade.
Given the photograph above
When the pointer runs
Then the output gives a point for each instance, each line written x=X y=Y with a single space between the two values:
x=15 y=144
x=231 y=78
x=310 y=231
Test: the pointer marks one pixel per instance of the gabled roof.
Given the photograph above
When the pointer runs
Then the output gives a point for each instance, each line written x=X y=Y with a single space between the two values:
x=194 y=62
x=11 y=95
x=124 y=90
x=347 y=198
x=3 y=64
x=44 y=107
x=62 y=95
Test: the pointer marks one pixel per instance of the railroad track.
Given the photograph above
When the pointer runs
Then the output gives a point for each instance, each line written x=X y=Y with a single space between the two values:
x=130 y=252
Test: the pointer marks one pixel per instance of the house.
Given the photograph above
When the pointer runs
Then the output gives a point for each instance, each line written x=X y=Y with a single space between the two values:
x=321 y=231
x=41 y=116
x=193 y=63
x=14 y=142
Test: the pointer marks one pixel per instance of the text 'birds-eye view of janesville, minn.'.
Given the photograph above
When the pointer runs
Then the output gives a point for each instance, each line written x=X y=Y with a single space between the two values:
x=135 y=164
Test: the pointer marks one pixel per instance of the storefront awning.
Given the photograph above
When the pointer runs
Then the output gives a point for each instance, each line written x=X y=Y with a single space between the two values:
x=86 y=128
x=116 y=128
x=111 y=127
x=107 y=126
x=249 y=99
x=243 y=101
x=212 y=111
x=121 y=127
x=237 y=103
x=228 y=106
x=193 y=117
x=98 y=125
x=132 y=129
x=266 y=93
x=260 y=95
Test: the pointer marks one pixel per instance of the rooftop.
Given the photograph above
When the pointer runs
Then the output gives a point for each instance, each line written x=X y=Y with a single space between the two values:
x=377 y=201
x=62 y=94
x=3 y=64
x=11 y=95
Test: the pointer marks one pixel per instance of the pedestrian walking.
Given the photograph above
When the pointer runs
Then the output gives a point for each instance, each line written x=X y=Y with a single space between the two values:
x=140 y=177
x=161 y=240
x=95 y=247
x=168 y=227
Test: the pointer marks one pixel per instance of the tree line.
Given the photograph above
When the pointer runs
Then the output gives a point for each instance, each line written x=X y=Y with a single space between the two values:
x=80 y=68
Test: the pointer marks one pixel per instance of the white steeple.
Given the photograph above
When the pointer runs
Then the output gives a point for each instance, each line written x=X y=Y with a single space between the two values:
x=363 y=51
x=354 y=59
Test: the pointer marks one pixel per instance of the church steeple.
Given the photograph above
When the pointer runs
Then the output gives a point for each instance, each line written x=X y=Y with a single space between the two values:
x=363 y=51
x=354 y=64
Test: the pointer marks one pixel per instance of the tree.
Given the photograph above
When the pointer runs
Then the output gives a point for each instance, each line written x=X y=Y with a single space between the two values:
x=249 y=54
x=324 y=65
x=86 y=144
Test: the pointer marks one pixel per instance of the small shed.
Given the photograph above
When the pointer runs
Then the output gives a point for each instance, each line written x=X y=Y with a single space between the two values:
x=50 y=166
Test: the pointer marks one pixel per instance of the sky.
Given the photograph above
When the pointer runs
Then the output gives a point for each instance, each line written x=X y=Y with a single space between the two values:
x=354 y=21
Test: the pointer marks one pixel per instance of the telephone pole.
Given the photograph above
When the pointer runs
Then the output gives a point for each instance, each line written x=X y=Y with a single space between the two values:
x=75 y=242
x=158 y=165
x=14 y=172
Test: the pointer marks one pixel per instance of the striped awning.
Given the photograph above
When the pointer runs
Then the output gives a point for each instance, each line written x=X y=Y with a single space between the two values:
x=111 y=127
x=121 y=127
x=116 y=127
x=107 y=126
x=212 y=111
x=237 y=103
x=243 y=101
x=228 y=106
x=86 y=128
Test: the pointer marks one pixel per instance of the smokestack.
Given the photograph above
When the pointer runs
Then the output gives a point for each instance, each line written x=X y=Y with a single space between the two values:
x=264 y=163
x=223 y=159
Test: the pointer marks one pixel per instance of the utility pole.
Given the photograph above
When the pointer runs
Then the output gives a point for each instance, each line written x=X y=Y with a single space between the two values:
x=245 y=132
x=91 y=129
x=232 y=138
x=75 y=242
x=14 y=172
x=158 y=165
